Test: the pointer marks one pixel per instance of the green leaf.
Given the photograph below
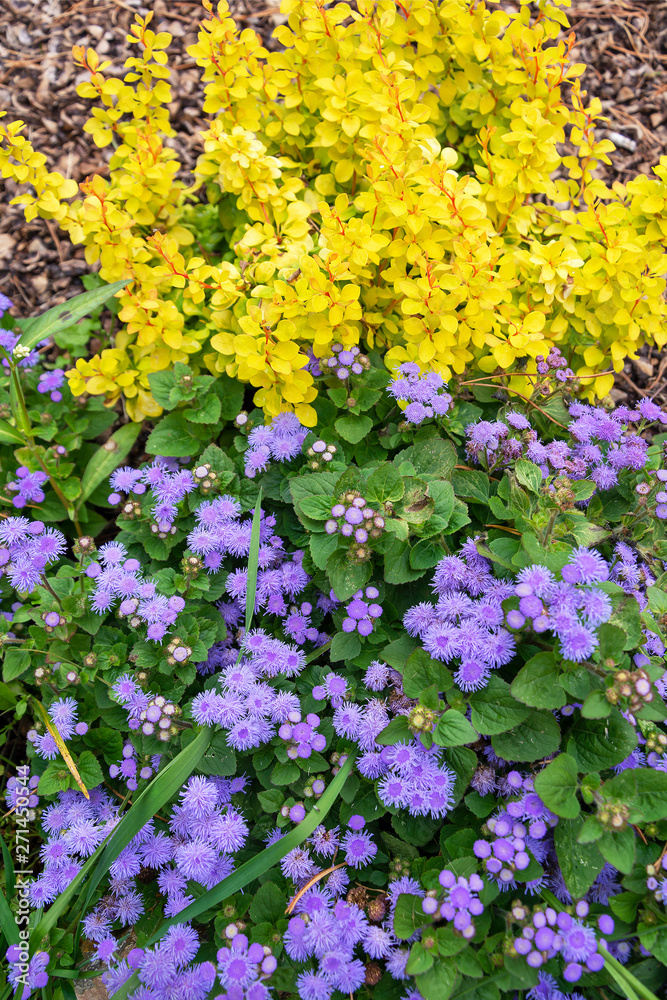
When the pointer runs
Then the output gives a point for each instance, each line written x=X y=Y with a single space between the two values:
x=471 y=485
x=421 y=671
x=596 y=705
x=285 y=774
x=598 y=744
x=344 y=646
x=420 y=959
x=409 y=916
x=397 y=731
x=529 y=475
x=583 y=489
x=15 y=662
x=463 y=763
x=321 y=547
x=454 y=730
x=386 y=483
x=173 y=437
x=56 y=778
x=537 y=683
x=353 y=428
x=9 y=434
x=161 y=384
x=643 y=790
x=8 y=924
x=397 y=568
x=268 y=904
x=107 y=458
x=207 y=412
x=397 y=653
x=536 y=737
x=494 y=710
x=319 y=508
x=618 y=848
x=557 y=786
x=426 y=554
x=580 y=863
x=432 y=457
x=271 y=800
x=219 y=759
x=439 y=982
x=346 y=577
x=89 y=770
x=230 y=392
x=62 y=316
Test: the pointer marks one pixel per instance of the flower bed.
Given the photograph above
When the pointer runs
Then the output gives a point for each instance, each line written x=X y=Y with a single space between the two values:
x=349 y=683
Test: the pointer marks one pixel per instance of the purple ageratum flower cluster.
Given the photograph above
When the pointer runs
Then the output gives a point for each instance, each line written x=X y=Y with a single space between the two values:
x=243 y=969
x=360 y=614
x=27 y=486
x=343 y=362
x=302 y=736
x=168 y=486
x=460 y=903
x=520 y=826
x=631 y=573
x=280 y=578
x=9 y=341
x=75 y=827
x=128 y=767
x=604 y=443
x=410 y=777
x=333 y=689
x=355 y=519
x=26 y=549
x=52 y=382
x=167 y=969
x=63 y=714
x=571 y=607
x=554 y=363
x=281 y=440
x=118 y=578
x=330 y=934
x=249 y=709
x=28 y=974
x=151 y=713
x=547 y=934
x=422 y=391
x=466 y=623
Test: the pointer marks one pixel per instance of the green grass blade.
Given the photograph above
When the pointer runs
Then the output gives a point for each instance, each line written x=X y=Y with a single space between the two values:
x=107 y=458
x=10 y=878
x=160 y=790
x=7 y=923
x=62 y=316
x=252 y=869
x=253 y=562
x=629 y=984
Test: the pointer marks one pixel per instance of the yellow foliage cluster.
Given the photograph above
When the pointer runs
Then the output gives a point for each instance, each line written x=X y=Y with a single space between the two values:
x=418 y=176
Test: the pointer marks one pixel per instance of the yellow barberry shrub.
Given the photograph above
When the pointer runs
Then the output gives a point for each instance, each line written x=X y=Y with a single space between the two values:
x=419 y=177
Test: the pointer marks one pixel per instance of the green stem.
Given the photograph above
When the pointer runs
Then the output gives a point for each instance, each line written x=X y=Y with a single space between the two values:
x=550 y=526
x=624 y=977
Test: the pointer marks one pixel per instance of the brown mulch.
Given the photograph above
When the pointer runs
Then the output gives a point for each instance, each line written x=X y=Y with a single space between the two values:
x=39 y=267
